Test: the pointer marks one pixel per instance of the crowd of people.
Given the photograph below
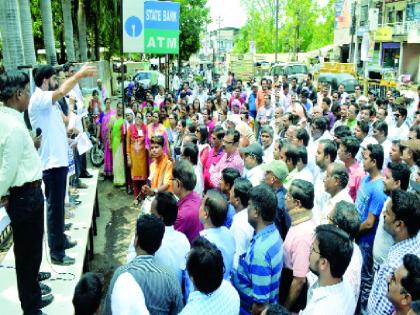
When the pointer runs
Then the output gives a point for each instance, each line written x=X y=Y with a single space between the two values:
x=262 y=197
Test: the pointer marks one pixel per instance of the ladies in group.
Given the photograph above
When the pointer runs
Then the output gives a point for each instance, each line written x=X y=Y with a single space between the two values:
x=117 y=136
x=104 y=123
x=137 y=155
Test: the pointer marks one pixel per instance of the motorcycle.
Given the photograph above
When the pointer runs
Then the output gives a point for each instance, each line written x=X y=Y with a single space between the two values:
x=96 y=153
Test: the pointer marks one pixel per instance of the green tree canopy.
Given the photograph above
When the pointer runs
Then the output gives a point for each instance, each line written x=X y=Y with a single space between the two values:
x=303 y=25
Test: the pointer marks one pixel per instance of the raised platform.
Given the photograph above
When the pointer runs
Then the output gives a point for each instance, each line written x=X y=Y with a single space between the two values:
x=83 y=229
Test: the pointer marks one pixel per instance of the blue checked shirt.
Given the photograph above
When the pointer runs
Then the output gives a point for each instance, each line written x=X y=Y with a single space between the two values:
x=378 y=302
x=258 y=275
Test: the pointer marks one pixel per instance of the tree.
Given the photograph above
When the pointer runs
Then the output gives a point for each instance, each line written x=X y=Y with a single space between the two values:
x=27 y=34
x=194 y=17
x=47 y=27
x=11 y=34
x=68 y=29
x=303 y=25
x=81 y=18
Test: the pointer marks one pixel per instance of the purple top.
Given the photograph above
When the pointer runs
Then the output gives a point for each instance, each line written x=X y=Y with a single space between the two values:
x=188 y=220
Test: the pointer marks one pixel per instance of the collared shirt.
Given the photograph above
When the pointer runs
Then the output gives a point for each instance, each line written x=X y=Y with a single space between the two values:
x=321 y=197
x=383 y=240
x=224 y=300
x=265 y=114
x=213 y=158
x=305 y=174
x=370 y=199
x=47 y=116
x=356 y=174
x=378 y=303
x=398 y=133
x=223 y=238
x=258 y=275
x=269 y=153
x=297 y=247
x=153 y=277
x=242 y=232
x=329 y=300
x=342 y=195
x=188 y=221
x=285 y=101
x=255 y=175
x=353 y=273
x=19 y=161
x=290 y=177
x=282 y=220
x=234 y=160
x=171 y=253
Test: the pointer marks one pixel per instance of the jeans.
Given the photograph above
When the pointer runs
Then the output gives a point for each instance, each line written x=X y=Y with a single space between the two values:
x=26 y=212
x=55 y=181
x=367 y=273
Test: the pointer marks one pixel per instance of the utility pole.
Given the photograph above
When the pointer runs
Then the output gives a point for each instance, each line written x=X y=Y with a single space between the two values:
x=277 y=28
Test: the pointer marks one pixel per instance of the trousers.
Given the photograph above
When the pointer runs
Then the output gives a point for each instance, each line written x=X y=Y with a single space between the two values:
x=26 y=212
x=55 y=180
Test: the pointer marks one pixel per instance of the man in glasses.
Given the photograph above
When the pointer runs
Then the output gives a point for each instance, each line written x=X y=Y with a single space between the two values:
x=404 y=284
x=402 y=221
x=399 y=130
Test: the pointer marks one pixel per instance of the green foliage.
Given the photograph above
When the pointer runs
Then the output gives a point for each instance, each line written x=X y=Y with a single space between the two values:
x=303 y=26
x=194 y=18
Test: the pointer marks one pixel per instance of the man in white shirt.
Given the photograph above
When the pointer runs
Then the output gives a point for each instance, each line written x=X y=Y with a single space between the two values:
x=335 y=184
x=20 y=189
x=267 y=137
x=253 y=158
x=303 y=171
x=325 y=155
x=400 y=130
x=380 y=133
x=161 y=288
x=241 y=229
x=213 y=213
x=346 y=217
x=175 y=245
x=46 y=114
x=330 y=255
x=213 y=294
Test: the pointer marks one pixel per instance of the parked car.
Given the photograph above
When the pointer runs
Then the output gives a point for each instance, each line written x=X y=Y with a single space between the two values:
x=148 y=79
x=335 y=79
x=296 y=70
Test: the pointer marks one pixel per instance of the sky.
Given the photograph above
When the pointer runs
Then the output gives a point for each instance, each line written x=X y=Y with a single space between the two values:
x=230 y=11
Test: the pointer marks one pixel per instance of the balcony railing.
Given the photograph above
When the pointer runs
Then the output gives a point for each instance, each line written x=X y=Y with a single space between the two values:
x=402 y=28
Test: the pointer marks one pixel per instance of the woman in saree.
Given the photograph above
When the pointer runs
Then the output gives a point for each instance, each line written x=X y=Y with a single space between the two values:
x=137 y=155
x=103 y=123
x=117 y=136
x=160 y=169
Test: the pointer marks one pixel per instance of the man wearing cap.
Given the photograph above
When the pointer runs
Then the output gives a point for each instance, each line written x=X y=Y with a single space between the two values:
x=275 y=173
x=372 y=97
x=253 y=158
x=411 y=156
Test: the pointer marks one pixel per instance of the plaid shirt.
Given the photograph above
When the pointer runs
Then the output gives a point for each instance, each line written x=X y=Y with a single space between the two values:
x=378 y=302
x=258 y=276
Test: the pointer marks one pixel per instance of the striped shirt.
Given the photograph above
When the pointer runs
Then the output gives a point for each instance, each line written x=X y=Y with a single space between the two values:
x=258 y=275
x=223 y=301
x=378 y=303
x=143 y=274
